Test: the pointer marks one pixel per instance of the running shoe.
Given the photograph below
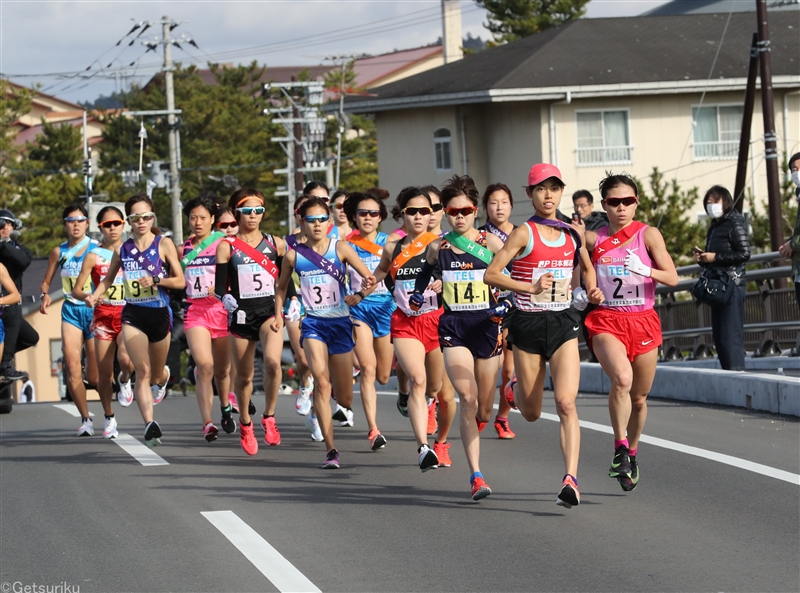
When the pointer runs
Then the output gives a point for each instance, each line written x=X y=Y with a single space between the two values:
x=569 y=496
x=376 y=439
x=481 y=424
x=331 y=460
x=629 y=483
x=271 y=435
x=87 y=428
x=247 y=438
x=302 y=403
x=232 y=402
x=503 y=429
x=210 y=432
x=442 y=451
x=509 y=391
x=402 y=403
x=110 y=428
x=427 y=458
x=432 y=423
x=125 y=393
x=251 y=407
x=348 y=417
x=480 y=489
x=160 y=391
x=312 y=424
x=152 y=434
x=228 y=423
x=621 y=464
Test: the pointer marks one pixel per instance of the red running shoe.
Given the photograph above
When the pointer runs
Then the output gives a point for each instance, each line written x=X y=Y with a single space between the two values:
x=432 y=423
x=503 y=429
x=247 y=438
x=480 y=489
x=509 y=392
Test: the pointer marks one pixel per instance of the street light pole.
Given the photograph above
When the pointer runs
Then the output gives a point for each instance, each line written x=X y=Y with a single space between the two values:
x=175 y=201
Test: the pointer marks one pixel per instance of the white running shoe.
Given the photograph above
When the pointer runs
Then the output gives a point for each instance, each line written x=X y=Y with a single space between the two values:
x=110 y=430
x=160 y=391
x=303 y=403
x=313 y=426
x=86 y=429
x=343 y=415
x=125 y=395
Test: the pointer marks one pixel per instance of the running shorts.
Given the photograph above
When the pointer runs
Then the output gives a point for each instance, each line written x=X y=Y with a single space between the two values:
x=376 y=316
x=423 y=328
x=251 y=321
x=78 y=315
x=107 y=322
x=335 y=332
x=474 y=331
x=543 y=332
x=207 y=314
x=2 y=331
x=639 y=331
x=154 y=322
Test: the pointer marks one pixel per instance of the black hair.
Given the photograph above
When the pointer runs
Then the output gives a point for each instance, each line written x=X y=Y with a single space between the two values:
x=135 y=200
x=610 y=181
x=240 y=195
x=312 y=185
x=299 y=200
x=338 y=194
x=493 y=188
x=431 y=190
x=105 y=210
x=407 y=194
x=583 y=193
x=354 y=200
x=310 y=202
x=460 y=185
x=793 y=158
x=378 y=193
x=203 y=201
x=720 y=192
x=72 y=208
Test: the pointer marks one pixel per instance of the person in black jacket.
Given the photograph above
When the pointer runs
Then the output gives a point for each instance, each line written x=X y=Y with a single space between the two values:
x=727 y=250
x=19 y=333
x=583 y=204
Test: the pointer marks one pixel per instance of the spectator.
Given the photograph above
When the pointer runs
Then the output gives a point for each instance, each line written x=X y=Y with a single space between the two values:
x=792 y=247
x=727 y=250
x=19 y=333
x=583 y=204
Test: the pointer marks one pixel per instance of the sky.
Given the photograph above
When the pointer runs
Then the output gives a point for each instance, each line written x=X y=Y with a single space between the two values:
x=39 y=37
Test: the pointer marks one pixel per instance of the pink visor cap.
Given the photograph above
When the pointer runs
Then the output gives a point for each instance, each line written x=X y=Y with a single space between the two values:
x=542 y=171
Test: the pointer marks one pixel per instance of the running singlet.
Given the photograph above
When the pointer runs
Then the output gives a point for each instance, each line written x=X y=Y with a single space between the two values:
x=115 y=295
x=200 y=272
x=322 y=294
x=539 y=258
x=371 y=260
x=405 y=280
x=503 y=294
x=250 y=284
x=140 y=264
x=71 y=269
x=625 y=291
x=463 y=288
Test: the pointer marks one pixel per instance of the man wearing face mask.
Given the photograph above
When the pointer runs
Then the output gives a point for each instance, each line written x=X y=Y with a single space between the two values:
x=792 y=247
x=727 y=250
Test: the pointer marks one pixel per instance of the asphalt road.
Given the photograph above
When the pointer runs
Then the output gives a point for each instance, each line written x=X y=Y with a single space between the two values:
x=85 y=515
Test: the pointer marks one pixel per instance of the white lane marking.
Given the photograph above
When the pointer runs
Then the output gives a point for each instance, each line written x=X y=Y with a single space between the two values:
x=139 y=451
x=764 y=470
x=257 y=550
x=70 y=409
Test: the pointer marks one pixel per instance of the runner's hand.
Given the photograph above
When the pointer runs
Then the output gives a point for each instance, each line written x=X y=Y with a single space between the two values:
x=436 y=286
x=635 y=265
x=293 y=312
x=499 y=311
x=415 y=301
x=367 y=283
x=596 y=296
x=580 y=300
x=229 y=302
x=277 y=323
x=544 y=283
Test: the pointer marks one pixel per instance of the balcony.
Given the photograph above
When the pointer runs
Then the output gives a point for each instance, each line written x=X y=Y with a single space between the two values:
x=715 y=151
x=612 y=155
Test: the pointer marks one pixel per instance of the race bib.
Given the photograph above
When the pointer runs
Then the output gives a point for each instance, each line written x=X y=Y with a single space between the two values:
x=465 y=290
x=320 y=292
x=405 y=288
x=115 y=295
x=68 y=283
x=621 y=287
x=135 y=292
x=254 y=281
x=558 y=296
x=199 y=280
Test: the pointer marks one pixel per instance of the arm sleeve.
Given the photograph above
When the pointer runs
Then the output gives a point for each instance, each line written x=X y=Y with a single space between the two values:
x=424 y=277
x=221 y=280
x=739 y=246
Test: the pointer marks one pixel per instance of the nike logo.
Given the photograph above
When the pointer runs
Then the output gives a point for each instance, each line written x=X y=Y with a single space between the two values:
x=646 y=343
x=577 y=327
x=566 y=253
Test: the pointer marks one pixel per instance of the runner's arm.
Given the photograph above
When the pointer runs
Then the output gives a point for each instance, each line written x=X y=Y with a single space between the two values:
x=221 y=270
x=287 y=267
x=494 y=273
x=664 y=270
x=52 y=263
x=176 y=280
x=105 y=283
x=12 y=294
x=80 y=281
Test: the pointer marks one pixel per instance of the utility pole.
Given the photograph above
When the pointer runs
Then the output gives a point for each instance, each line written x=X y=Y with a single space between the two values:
x=177 y=216
x=87 y=163
x=747 y=121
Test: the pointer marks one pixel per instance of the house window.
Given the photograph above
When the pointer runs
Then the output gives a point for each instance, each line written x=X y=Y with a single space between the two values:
x=716 y=132
x=603 y=138
x=441 y=147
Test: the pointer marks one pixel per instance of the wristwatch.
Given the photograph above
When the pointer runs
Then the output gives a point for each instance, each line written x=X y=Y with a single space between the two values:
x=156 y=279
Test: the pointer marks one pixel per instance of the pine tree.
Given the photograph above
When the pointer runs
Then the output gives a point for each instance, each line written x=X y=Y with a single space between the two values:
x=512 y=19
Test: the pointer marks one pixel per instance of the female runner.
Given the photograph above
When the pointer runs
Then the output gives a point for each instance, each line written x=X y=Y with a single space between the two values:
x=249 y=264
x=76 y=317
x=205 y=320
x=469 y=330
x=340 y=222
x=149 y=264
x=545 y=254
x=11 y=297
x=630 y=258
x=107 y=318
x=372 y=316
x=327 y=332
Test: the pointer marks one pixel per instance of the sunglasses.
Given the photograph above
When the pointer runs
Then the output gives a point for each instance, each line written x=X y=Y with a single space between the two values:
x=370 y=213
x=227 y=225
x=248 y=210
x=465 y=211
x=111 y=224
x=146 y=216
x=425 y=211
x=339 y=205
x=437 y=207
x=614 y=202
x=75 y=219
x=312 y=218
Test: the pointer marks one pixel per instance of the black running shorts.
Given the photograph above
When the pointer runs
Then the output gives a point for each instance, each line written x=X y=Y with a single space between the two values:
x=543 y=332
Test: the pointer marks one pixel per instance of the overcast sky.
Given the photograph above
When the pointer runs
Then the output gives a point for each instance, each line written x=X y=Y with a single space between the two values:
x=39 y=37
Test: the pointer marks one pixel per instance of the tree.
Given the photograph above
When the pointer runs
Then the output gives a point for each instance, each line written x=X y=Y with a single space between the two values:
x=512 y=19
x=759 y=221
x=16 y=103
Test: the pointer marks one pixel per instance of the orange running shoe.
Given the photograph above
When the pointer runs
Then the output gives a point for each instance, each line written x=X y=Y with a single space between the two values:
x=432 y=423
x=442 y=451
x=247 y=438
x=480 y=489
x=376 y=439
x=569 y=496
x=503 y=429
x=481 y=424
x=509 y=391
x=271 y=435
